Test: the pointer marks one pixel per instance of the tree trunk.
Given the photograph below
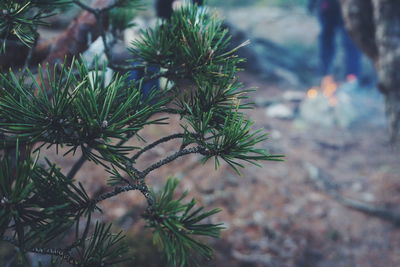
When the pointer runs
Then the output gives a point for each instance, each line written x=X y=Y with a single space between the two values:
x=375 y=27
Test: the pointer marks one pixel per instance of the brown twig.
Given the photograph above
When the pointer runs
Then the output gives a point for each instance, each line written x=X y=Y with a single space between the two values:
x=142 y=187
x=154 y=144
x=180 y=153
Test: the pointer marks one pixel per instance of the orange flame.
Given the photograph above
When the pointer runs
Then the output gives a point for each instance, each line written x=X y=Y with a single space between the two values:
x=328 y=88
x=313 y=92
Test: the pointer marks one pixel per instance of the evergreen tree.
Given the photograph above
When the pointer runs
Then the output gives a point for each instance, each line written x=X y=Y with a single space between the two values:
x=70 y=105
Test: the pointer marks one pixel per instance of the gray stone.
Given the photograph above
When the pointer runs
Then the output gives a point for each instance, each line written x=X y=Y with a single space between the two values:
x=294 y=96
x=279 y=111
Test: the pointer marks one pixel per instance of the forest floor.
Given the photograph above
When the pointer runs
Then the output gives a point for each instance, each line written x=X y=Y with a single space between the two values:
x=274 y=215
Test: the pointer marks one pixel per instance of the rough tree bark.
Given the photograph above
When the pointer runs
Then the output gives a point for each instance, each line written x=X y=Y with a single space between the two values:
x=375 y=27
x=74 y=40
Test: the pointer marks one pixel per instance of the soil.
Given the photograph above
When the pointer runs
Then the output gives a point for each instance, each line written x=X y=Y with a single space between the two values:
x=274 y=214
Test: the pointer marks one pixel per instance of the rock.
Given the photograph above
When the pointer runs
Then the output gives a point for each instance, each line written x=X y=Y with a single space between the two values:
x=279 y=111
x=293 y=96
x=368 y=197
x=141 y=24
x=100 y=76
x=259 y=217
x=270 y=60
x=120 y=54
x=275 y=134
x=95 y=53
x=357 y=187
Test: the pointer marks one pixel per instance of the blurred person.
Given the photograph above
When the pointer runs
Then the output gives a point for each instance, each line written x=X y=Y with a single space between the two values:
x=331 y=22
x=164 y=8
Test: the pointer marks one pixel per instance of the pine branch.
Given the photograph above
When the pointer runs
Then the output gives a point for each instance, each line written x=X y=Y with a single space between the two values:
x=89 y=9
x=142 y=187
x=154 y=144
x=47 y=251
x=96 y=11
x=110 y=7
x=78 y=165
x=93 y=116
x=193 y=150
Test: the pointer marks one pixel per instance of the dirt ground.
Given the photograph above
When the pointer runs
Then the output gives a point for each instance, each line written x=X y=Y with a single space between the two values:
x=274 y=215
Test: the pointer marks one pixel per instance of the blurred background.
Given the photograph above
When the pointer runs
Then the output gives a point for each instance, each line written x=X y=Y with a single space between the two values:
x=328 y=203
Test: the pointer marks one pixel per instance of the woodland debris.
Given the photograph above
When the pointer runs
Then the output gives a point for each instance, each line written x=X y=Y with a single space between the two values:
x=253 y=258
x=325 y=183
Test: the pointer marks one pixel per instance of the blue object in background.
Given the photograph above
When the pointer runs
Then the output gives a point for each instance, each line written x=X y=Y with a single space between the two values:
x=149 y=86
x=331 y=21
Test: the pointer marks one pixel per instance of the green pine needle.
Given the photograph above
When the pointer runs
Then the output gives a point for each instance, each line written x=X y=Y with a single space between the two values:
x=175 y=224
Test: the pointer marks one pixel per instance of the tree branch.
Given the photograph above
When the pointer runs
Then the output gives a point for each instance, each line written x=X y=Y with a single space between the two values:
x=141 y=186
x=94 y=11
x=173 y=157
x=154 y=144
x=117 y=190
x=77 y=166
x=47 y=251
x=116 y=4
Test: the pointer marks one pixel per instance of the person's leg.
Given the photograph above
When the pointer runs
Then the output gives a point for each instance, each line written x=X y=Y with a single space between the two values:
x=326 y=42
x=198 y=2
x=153 y=85
x=352 y=55
x=164 y=8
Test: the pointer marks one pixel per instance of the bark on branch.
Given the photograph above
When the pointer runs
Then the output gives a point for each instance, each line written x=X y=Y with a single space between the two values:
x=47 y=251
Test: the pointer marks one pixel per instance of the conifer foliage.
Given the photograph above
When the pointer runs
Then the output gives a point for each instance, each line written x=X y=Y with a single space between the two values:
x=72 y=106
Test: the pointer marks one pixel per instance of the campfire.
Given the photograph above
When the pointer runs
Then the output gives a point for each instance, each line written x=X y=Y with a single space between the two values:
x=327 y=89
x=332 y=104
